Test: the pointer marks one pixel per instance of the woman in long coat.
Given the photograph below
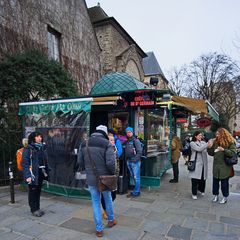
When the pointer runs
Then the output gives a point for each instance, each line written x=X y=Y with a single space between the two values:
x=223 y=145
x=200 y=174
x=176 y=153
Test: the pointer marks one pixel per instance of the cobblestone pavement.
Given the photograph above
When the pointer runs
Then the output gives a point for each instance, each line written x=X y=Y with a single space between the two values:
x=164 y=213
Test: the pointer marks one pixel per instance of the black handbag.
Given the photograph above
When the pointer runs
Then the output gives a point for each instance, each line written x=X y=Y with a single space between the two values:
x=230 y=161
x=191 y=165
x=104 y=182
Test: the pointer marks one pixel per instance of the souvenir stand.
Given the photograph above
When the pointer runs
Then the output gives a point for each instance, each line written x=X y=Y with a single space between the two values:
x=152 y=113
x=117 y=100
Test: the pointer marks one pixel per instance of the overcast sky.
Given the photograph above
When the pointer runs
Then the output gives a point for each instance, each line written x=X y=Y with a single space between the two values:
x=178 y=31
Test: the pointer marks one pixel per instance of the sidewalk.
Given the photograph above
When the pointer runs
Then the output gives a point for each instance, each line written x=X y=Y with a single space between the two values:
x=165 y=213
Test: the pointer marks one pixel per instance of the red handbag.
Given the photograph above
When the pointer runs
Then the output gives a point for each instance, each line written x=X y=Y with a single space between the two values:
x=231 y=172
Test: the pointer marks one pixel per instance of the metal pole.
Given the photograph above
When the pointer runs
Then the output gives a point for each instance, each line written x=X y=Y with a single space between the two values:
x=11 y=182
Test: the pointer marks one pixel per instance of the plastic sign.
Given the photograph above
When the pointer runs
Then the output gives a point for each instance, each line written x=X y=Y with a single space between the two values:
x=181 y=120
x=204 y=122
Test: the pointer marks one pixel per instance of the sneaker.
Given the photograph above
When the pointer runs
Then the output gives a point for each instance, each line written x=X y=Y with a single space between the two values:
x=105 y=214
x=112 y=223
x=215 y=199
x=99 y=233
x=202 y=193
x=194 y=197
x=223 y=201
x=37 y=213
x=173 y=181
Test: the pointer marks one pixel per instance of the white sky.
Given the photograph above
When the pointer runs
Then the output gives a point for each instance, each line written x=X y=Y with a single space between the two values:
x=178 y=31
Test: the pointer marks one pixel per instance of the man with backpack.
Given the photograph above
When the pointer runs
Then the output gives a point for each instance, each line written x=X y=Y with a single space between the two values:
x=133 y=153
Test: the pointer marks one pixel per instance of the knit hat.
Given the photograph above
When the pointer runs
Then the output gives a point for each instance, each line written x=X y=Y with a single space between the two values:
x=129 y=129
x=102 y=128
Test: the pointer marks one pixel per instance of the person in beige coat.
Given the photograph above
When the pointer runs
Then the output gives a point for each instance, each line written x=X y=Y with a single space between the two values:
x=176 y=153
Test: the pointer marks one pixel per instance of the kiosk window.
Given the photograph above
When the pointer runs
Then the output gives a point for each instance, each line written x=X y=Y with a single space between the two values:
x=157 y=129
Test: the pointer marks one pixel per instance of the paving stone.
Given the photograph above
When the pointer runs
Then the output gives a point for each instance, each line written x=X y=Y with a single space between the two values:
x=233 y=229
x=135 y=212
x=11 y=236
x=9 y=220
x=122 y=233
x=150 y=236
x=156 y=228
x=37 y=229
x=180 y=211
x=131 y=222
x=5 y=208
x=80 y=225
x=207 y=216
x=141 y=199
x=195 y=223
x=179 y=232
x=65 y=234
x=166 y=217
x=53 y=218
x=198 y=235
x=229 y=220
x=217 y=228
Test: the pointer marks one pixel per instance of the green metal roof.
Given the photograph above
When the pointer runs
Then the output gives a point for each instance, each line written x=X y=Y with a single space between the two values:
x=115 y=83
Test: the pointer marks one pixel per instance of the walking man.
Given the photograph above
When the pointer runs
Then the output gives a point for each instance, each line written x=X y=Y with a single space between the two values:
x=98 y=149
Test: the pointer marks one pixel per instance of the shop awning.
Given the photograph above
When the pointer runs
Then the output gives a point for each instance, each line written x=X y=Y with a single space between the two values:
x=197 y=106
x=65 y=106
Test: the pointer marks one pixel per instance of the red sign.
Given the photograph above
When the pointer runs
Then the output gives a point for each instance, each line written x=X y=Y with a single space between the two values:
x=181 y=120
x=204 y=122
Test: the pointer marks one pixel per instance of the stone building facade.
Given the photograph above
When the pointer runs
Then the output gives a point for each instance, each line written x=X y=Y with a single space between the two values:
x=120 y=53
x=60 y=28
x=154 y=76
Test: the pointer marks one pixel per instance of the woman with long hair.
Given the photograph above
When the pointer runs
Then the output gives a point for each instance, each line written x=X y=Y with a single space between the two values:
x=199 y=175
x=35 y=170
x=223 y=145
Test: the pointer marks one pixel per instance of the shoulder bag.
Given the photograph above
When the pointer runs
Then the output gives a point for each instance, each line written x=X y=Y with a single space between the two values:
x=104 y=182
x=191 y=165
x=230 y=161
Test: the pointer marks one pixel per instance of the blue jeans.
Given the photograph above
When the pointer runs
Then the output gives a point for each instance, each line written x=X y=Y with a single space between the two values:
x=96 y=205
x=134 y=169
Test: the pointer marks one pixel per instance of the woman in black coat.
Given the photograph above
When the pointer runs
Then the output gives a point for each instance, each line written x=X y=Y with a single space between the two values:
x=35 y=170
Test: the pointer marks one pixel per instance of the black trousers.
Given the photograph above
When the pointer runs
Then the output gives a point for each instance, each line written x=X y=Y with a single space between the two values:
x=198 y=184
x=224 y=186
x=175 y=170
x=34 y=192
x=113 y=198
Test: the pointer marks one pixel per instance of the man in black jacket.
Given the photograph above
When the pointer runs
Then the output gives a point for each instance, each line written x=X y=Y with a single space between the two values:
x=99 y=150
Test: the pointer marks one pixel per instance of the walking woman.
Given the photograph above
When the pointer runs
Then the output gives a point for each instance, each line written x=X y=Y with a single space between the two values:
x=223 y=145
x=35 y=170
x=199 y=175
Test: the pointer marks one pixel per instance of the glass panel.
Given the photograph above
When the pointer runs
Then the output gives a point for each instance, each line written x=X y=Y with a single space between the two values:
x=157 y=130
x=119 y=122
x=63 y=134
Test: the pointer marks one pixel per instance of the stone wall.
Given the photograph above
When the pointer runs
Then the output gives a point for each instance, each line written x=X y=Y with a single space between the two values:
x=117 y=54
x=24 y=25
